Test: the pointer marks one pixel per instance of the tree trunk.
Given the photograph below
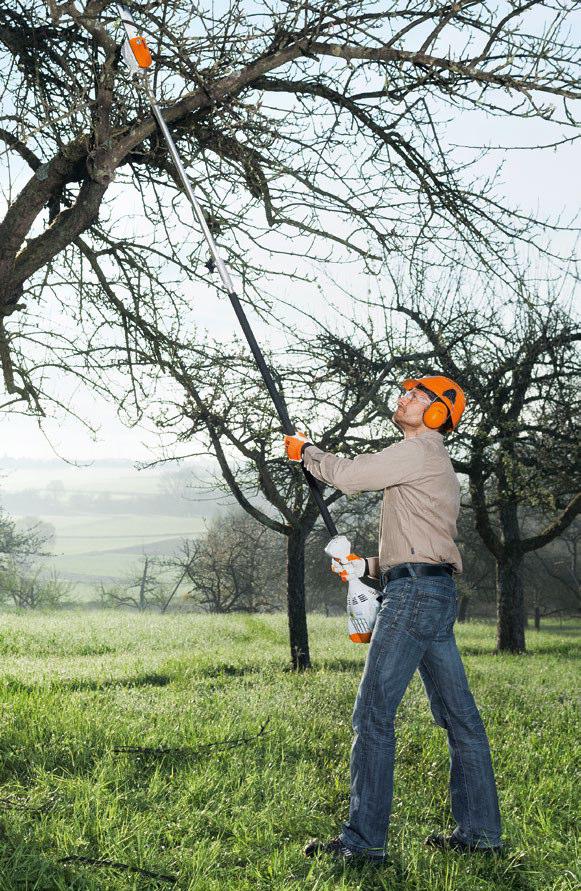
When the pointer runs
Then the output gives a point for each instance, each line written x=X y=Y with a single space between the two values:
x=463 y=608
x=297 y=614
x=142 y=603
x=510 y=610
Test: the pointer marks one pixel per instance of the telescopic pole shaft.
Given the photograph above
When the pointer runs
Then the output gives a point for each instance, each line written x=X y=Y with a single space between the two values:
x=279 y=403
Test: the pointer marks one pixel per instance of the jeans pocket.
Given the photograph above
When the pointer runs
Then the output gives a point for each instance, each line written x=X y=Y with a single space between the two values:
x=396 y=596
x=433 y=611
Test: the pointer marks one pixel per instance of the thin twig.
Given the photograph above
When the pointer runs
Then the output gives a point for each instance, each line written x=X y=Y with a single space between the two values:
x=114 y=864
x=187 y=751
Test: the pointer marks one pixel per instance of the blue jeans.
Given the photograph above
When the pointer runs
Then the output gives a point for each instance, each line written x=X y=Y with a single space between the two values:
x=414 y=629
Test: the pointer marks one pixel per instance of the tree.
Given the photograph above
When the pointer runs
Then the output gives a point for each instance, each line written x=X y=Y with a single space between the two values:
x=39 y=531
x=326 y=382
x=29 y=587
x=324 y=122
x=237 y=566
x=315 y=120
x=476 y=585
x=143 y=587
x=519 y=444
x=553 y=571
x=23 y=541
x=23 y=580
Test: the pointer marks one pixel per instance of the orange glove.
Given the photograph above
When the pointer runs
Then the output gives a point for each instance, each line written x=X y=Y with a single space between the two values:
x=294 y=446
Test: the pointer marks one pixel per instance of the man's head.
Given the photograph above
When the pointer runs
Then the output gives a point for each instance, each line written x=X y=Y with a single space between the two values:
x=434 y=402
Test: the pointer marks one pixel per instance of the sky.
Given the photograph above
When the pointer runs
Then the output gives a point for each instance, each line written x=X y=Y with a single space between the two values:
x=543 y=182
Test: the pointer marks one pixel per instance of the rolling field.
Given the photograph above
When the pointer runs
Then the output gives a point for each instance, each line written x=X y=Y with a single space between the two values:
x=106 y=544
x=76 y=686
x=88 y=548
x=81 y=478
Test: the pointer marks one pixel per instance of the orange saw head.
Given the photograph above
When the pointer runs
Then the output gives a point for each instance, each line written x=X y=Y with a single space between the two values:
x=135 y=50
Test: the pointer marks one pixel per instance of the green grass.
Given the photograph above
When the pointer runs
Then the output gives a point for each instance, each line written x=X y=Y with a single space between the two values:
x=74 y=686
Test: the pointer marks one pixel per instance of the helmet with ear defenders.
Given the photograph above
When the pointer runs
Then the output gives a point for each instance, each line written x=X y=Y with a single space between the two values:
x=450 y=402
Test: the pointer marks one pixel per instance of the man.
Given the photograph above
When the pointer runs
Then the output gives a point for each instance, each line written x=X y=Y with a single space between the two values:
x=414 y=627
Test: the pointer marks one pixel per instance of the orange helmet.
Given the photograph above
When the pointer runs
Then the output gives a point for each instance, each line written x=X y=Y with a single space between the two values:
x=450 y=402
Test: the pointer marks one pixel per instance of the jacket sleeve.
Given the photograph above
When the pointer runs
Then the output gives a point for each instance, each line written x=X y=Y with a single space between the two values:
x=399 y=463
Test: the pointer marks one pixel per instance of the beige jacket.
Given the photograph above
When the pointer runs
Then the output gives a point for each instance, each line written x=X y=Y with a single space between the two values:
x=421 y=498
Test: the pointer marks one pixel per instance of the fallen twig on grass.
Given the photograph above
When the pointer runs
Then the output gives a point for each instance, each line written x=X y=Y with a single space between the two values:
x=17 y=803
x=114 y=864
x=23 y=803
x=188 y=751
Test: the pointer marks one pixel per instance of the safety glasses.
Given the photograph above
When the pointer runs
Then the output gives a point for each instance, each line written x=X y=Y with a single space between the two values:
x=419 y=394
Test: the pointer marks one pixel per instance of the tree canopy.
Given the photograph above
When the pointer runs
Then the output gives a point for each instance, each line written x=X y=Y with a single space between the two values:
x=321 y=122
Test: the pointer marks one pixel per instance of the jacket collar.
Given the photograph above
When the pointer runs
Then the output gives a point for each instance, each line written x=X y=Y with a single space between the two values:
x=431 y=434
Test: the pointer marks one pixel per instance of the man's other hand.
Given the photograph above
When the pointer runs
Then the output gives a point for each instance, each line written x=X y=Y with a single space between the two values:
x=353 y=567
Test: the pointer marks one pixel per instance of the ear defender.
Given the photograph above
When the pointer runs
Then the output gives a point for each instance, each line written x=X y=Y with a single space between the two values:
x=435 y=415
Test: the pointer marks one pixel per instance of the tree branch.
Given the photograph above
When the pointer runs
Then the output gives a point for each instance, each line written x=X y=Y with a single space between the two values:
x=555 y=528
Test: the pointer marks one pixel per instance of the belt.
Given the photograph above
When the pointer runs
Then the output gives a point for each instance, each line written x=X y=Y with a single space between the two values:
x=403 y=570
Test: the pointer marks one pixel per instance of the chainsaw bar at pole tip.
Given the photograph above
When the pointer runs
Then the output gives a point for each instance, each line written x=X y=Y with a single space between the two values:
x=135 y=51
x=132 y=59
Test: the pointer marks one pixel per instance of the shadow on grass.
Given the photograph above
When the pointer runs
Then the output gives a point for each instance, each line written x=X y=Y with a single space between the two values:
x=496 y=873
x=505 y=873
x=226 y=670
x=567 y=630
x=13 y=685
x=563 y=650
x=22 y=762
x=339 y=664
x=390 y=875
x=23 y=865
x=218 y=671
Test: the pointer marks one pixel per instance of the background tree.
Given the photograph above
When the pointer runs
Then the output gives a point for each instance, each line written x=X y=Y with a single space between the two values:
x=519 y=442
x=24 y=582
x=29 y=586
x=147 y=585
x=23 y=540
x=237 y=566
x=552 y=573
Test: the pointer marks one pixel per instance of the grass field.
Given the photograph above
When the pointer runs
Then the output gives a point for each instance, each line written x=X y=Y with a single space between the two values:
x=75 y=686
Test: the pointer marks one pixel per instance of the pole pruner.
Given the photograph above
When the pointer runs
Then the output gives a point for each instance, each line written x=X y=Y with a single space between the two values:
x=362 y=604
